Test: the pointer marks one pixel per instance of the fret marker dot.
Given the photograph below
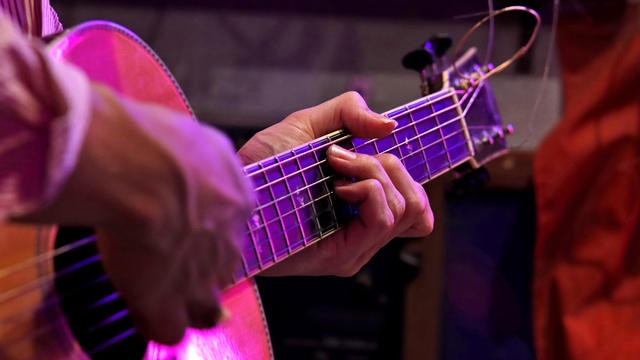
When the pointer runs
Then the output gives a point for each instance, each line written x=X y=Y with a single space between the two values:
x=256 y=220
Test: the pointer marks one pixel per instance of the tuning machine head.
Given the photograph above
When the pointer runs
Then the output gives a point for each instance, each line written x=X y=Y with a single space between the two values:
x=429 y=61
x=438 y=45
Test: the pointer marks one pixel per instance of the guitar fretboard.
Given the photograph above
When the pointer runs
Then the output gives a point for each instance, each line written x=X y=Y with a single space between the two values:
x=296 y=204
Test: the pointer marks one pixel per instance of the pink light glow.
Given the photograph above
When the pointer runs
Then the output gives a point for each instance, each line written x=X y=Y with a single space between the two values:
x=197 y=344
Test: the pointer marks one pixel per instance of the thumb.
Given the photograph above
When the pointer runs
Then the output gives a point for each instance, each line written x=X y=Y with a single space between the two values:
x=350 y=111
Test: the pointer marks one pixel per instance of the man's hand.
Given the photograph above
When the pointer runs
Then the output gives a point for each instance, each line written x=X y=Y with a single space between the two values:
x=390 y=203
x=168 y=199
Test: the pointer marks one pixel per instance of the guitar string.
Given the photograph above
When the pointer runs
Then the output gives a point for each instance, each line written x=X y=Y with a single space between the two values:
x=261 y=261
x=86 y=240
x=355 y=148
x=411 y=154
x=91 y=239
x=326 y=178
x=11 y=294
x=461 y=116
x=55 y=299
x=253 y=248
x=395 y=147
x=305 y=205
x=368 y=141
x=129 y=332
x=52 y=300
x=51 y=254
x=48 y=255
x=125 y=312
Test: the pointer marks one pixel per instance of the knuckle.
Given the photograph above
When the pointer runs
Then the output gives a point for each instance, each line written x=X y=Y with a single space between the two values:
x=349 y=271
x=430 y=222
x=399 y=206
x=417 y=204
x=373 y=186
x=352 y=96
x=389 y=161
x=386 y=220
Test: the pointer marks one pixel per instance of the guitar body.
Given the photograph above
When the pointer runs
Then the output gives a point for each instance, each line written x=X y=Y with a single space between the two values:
x=63 y=307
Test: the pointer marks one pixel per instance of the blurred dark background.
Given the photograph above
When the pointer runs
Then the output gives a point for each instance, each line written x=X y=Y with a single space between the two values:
x=463 y=292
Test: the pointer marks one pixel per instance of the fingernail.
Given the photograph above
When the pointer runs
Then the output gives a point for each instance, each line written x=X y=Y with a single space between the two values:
x=224 y=315
x=341 y=153
x=386 y=120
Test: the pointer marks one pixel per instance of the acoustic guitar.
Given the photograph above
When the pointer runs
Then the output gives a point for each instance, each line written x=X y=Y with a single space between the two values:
x=57 y=303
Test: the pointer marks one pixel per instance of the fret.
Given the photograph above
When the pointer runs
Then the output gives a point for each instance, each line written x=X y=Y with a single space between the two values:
x=252 y=258
x=388 y=142
x=311 y=176
x=419 y=172
x=442 y=168
x=281 y=210
x=363 y=146
x=450 y=115
x=267 y=213
x=438 y=123
x=274 y=222
x=463 y=122
x=241 y=272
x=297 y=205
x=333 y=221
x=255 y=257
x=294 y=229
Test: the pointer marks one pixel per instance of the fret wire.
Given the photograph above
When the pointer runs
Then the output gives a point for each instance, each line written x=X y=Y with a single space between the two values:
x=326 y=187
x=424 y=155
x=389 y=149
x=444 y=143
x=315 y=211
x=446 y=123
x=453 y=147
x=331 y=176
x=308 y=189
x=326 y=195
x=365 y=143
x=265 y=220
x=311 y=217
x=286 y=184
x=253 y=241
x=464 y=125
x=372 y=140
x=245 y=266
x=273 y=196
x=316 y=235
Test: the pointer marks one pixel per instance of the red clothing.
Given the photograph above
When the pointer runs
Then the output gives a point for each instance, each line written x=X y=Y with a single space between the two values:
x=587 y=178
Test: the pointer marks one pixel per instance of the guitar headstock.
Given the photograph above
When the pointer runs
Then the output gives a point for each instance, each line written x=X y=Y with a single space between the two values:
x=479 y=108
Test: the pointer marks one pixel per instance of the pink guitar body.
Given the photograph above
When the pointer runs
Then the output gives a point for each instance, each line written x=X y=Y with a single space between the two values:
x=32 y=326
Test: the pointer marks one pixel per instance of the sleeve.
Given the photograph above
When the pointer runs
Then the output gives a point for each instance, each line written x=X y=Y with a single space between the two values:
x=44 y=114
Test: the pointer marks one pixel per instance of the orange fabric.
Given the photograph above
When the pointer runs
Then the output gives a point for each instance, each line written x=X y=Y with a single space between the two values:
x=587 y=178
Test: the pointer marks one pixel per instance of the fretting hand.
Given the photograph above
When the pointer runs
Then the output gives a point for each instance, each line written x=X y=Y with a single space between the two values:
x=390 y=203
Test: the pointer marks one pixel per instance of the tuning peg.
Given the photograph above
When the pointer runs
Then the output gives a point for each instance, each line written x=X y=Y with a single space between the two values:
x=438 y=45
x=417 y=60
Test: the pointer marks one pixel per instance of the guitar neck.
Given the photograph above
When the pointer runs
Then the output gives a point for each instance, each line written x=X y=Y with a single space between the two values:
x=297 y=205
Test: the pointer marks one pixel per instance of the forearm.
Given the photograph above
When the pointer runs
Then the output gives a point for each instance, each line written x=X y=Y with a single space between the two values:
x=43 y=119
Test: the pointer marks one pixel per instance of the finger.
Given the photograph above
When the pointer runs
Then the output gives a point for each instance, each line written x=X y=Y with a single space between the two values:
x=371 y=229
x=166 y=324
x=363 y=166
x=203 y=308
x=349 y=111
x=417 y=216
